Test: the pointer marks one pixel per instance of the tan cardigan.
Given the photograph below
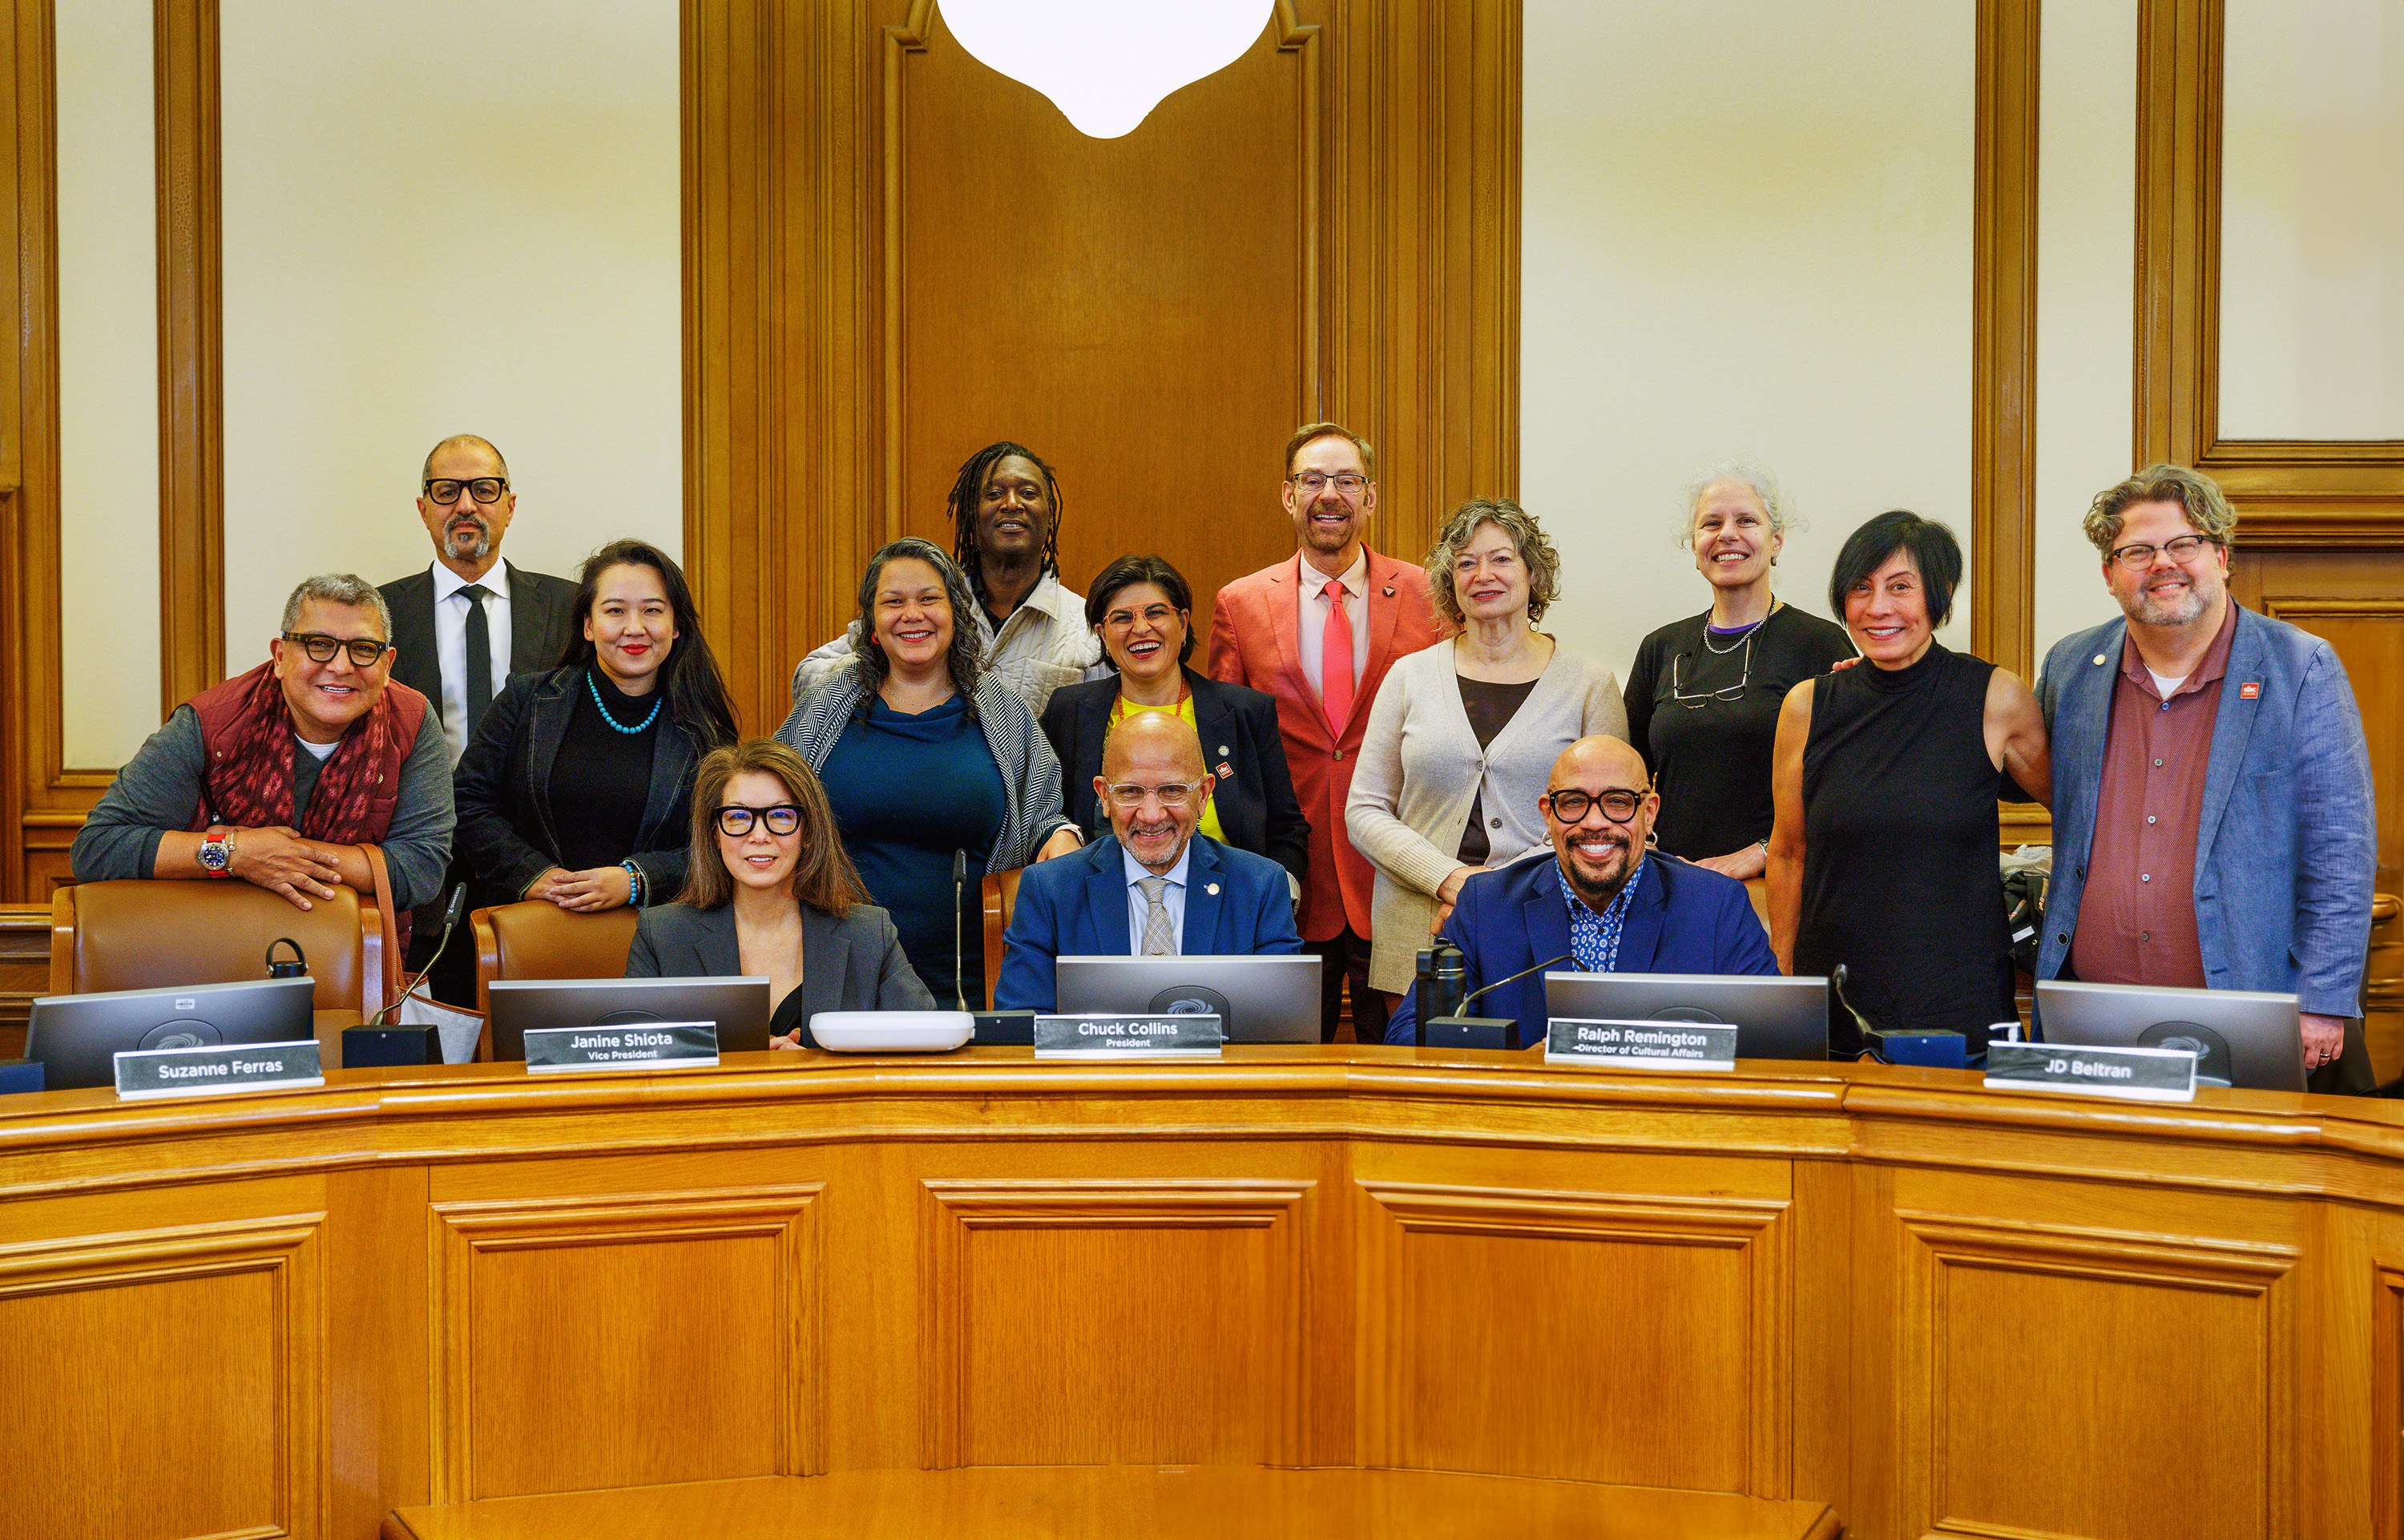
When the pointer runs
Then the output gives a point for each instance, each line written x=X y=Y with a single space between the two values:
x=1420 y=768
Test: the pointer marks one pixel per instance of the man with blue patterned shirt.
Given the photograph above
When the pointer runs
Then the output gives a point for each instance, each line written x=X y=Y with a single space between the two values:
x=1601 y=902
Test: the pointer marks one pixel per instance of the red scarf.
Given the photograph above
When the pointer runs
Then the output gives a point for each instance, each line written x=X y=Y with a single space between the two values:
x=247 y=779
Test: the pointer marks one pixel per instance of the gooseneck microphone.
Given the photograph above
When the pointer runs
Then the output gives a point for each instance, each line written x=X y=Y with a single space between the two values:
x=959 y=880
x=1459 y=1030
x=450 y=921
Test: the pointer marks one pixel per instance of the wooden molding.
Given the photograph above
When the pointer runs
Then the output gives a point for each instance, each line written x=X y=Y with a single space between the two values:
x=2004 y=285
x=191 y=355
x=2289 y=493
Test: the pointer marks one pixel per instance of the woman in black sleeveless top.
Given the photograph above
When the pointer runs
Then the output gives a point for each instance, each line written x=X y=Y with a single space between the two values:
x=1883 y=858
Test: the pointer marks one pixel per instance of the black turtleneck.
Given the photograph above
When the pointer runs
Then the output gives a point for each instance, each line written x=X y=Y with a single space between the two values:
x=603 y=776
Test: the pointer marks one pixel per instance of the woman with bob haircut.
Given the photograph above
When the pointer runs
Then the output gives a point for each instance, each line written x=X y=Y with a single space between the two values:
x=575 y=787
x=771 y=893
x=1142 y=611
x=933 y=764
x=1883 y=860
x=1462 y=740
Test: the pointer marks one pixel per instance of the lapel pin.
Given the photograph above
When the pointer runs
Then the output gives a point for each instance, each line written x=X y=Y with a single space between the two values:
x=2251 y=689
x=1211 y=888
x=2098 y=660
x=1226 y=771
x=1389 y=591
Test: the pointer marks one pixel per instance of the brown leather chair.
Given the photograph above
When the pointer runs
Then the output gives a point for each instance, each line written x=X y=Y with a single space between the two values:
x=1001 y=898
x=537 y=940
x=154 y=935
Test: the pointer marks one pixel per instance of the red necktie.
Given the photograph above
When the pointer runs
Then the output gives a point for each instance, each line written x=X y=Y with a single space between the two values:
x=1335 y=660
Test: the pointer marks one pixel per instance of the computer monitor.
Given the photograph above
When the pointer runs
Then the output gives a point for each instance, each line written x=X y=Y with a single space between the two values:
x=1774 y=1017
x=2244 y=1037
x=78 y=1037
x=738 y=1005
x=1272 y=998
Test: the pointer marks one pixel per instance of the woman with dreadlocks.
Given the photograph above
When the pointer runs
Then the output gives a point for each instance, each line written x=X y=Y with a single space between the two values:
x=1030 y=629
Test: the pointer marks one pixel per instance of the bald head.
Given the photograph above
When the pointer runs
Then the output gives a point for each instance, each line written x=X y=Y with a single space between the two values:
x=467 y=530
x=1598 y=778
x=1601 y=755
x=1153 y=784
x=468 y=443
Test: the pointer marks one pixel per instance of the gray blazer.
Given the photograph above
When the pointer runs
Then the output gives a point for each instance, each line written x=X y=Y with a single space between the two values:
x=854 y=963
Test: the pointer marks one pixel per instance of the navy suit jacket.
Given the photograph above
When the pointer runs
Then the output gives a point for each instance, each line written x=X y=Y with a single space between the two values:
x=1684 y=920
x=1076 y=906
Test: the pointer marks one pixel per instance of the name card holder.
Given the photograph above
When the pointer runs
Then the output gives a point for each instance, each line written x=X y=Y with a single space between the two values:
x=217 y=1069
x=649 y=1045
x=1130 y=1036
x=2128 y=1074
x=1673 y=1045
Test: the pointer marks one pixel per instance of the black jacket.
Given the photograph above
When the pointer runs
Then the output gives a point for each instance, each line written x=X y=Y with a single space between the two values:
x=506 y=838
x=539 y=621
x=1241 y=746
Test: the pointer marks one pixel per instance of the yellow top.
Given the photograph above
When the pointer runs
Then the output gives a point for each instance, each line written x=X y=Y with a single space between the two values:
x=1182 y=711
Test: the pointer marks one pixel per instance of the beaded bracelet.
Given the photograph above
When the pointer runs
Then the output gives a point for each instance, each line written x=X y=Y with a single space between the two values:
x=635 y=884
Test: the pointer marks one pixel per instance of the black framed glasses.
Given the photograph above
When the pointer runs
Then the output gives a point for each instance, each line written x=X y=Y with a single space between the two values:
x=320 y=647
x=2138 y=557
x=734 y=821
x=1174 y=794
x=1571 y=805
x=485 y=489
x=1347 y=482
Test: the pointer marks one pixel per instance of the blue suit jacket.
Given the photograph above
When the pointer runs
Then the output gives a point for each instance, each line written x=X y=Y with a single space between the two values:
x=1235 y=904
x=2287 y=845
x=1684 y=920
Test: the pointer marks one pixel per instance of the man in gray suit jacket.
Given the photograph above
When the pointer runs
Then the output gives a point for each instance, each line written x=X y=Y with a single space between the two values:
x=470 y=605
x=2213 y=823
x=464 y=625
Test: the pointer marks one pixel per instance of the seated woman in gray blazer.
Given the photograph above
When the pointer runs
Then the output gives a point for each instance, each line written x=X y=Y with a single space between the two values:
x=769 y=891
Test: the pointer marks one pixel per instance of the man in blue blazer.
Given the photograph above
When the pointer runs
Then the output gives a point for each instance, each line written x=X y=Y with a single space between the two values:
x=1601 y=902
x=2213 y=821
x=1154 y=888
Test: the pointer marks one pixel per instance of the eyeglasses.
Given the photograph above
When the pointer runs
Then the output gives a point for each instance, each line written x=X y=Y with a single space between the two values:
x=1171 y=795
x=1696 y=700
x=734 y=821
x=485 y=489
x=364 y=651
x=2135 y=557
x=1347 y=482
x=1571 y=806
x=1124 y=620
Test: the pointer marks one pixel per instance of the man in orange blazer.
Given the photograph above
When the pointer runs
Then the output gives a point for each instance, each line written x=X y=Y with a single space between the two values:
x=1277 y=630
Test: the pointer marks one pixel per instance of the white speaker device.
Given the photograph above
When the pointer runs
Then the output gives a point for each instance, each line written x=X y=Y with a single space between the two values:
x=892 y=1031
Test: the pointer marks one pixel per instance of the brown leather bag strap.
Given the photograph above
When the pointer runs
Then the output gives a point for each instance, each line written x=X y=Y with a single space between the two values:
x=387 y=984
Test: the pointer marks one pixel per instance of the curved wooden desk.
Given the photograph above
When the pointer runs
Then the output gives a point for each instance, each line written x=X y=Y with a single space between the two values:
x=1934 y=1307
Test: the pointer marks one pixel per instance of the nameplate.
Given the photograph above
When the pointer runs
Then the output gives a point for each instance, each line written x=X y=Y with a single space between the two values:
x=1099 y=1036
x=1640 y=1045
x=2133 y=1074
x=217 y=1069
x=555 y=1050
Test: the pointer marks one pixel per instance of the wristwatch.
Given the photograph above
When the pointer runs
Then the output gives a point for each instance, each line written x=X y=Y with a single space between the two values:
x=216 y=852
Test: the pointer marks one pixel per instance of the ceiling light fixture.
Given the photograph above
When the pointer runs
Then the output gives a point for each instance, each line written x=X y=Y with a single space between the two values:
x=1106 y=64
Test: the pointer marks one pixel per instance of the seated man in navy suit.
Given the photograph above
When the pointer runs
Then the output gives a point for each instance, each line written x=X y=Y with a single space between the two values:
x=1601 y=903
x=1155 y=887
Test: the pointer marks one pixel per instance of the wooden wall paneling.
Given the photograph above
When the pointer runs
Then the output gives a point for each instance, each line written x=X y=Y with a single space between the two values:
x=1125 y=1361
x=2299 y=493
x=166 y=1382
x=2003 y=280
x=378 y=1405
x=191 y=355
x=2385 y=1434
x=630 y=1342
x=1826 y=1314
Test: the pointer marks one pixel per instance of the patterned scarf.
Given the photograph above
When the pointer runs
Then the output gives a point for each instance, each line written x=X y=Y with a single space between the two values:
x=246 y=733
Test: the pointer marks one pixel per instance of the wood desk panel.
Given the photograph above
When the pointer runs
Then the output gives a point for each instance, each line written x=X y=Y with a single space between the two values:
x=1812 y=1283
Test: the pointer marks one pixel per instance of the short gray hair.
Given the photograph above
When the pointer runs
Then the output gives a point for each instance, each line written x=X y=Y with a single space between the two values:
x=339 y=588
x=1753 y=473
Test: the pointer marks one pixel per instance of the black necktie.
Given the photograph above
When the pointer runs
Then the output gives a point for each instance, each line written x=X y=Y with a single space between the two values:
x=480 y=659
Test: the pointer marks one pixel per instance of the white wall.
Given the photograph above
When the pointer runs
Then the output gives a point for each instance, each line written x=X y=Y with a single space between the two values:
x=2312 y=220
x=1747 y=228
x=443 y=217
x=108 y=379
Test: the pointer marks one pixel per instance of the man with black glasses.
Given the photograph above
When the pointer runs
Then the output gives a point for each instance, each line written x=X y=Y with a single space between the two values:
x=470 y=619
x=1601 y=903
x=278 y=776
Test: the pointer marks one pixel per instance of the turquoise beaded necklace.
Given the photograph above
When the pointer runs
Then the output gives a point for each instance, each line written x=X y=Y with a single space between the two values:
x=660 y=699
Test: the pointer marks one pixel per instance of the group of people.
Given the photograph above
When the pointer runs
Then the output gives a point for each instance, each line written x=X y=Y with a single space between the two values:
x=1372 y=752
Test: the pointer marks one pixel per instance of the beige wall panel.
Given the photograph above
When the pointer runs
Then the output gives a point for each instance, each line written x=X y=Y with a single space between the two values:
x=1746 y=229
x=108 y=380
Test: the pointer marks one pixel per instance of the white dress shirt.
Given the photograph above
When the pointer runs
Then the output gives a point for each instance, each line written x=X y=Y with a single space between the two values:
x=451 y=645
x=1172 y=898
x=1313 y=624
x=1043 y=645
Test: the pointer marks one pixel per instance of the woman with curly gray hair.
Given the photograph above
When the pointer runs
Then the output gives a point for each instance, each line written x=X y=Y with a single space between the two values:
x=925 y=755
x=1463 y=734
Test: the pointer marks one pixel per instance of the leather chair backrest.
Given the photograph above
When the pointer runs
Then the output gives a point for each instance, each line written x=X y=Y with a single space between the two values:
x=153 y=936
x=539 y=940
